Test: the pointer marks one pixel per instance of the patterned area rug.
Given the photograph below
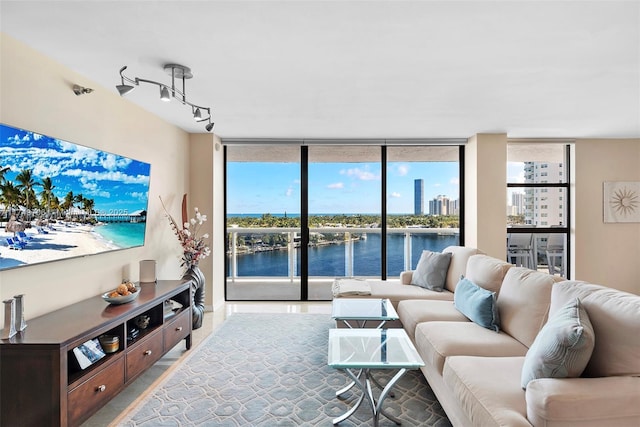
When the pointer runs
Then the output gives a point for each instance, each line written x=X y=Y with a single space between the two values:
x=271 y=370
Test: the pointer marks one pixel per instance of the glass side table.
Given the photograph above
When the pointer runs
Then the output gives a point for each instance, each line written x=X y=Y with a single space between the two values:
x=357 y=311
x=364 y=350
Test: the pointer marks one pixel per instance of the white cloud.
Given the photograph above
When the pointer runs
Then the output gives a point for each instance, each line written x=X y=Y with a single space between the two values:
x=289 y=192
x=106 y=176
x=361 y=174
x=395 y=195
x=336 y=185
x=455 y=181
x=403 y=170
x=112 y=162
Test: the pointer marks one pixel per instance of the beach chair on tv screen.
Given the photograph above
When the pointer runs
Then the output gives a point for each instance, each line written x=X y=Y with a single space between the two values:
x=15 y=244
x=24 y=236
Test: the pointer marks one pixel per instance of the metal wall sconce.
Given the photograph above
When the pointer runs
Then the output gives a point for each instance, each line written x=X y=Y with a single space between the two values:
x=167 y=92
x=80 y=90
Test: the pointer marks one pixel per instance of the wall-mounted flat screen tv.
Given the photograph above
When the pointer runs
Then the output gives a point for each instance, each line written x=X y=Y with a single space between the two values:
x=61 y=200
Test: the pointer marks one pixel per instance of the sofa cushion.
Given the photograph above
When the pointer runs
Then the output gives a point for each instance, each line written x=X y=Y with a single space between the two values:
x=477 y=304
x=523 y=303
x=563 y=346
x=431 y=271
x=458 y=266
x=435 y=341
x=584 y=402
x=413 y=312
x=397 y=292
x=615 y=318
x=487 y=272
x=488 y=389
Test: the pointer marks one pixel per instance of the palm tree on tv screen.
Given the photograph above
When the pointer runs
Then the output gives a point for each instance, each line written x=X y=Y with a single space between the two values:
x=26 y=184
x=47 y=193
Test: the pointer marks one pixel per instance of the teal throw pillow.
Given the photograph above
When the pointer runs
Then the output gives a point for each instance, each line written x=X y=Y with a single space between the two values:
x=477 y=304
x=563 y=346
x=431 y=271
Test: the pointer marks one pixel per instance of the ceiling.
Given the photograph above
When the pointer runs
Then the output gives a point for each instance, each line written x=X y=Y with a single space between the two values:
x=359 y=69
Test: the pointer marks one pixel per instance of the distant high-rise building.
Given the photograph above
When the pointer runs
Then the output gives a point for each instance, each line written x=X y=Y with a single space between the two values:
x=544 y=206
x=418 y=197
x=517 y=204
x=442 y=205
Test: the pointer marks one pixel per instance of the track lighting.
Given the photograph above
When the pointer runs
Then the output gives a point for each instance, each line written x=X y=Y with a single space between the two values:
x=167 y=92
x=164 y=94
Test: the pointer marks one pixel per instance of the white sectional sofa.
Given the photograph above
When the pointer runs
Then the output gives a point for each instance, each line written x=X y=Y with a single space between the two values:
x=476 y=372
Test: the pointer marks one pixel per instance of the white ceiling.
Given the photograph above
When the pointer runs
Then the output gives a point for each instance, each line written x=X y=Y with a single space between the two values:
x=360 y=69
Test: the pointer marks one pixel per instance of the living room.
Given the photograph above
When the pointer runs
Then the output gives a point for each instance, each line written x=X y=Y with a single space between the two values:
x=37 y=95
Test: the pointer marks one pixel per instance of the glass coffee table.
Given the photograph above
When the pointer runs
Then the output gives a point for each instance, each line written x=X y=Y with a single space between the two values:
x=358 y=351
x=355 y=312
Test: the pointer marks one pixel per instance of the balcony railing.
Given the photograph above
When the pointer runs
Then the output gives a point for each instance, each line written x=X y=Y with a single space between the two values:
x=351 y=235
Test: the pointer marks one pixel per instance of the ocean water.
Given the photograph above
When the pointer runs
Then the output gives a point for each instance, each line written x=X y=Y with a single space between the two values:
x=121 y=234
x=330 y=260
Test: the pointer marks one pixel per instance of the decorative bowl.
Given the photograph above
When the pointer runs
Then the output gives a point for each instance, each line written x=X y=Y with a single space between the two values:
x=123 y=299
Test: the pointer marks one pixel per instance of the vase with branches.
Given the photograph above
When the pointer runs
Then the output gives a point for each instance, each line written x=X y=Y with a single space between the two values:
x=194 y=248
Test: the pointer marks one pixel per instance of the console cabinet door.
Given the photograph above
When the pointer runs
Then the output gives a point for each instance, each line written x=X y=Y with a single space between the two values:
x=177 y=329
x=95 y=392
x=141 y=355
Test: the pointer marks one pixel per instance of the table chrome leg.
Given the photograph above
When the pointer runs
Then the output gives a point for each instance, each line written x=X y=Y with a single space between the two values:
x=348 y=386
x=380 y=386
x=385 y=392
x=354 y=408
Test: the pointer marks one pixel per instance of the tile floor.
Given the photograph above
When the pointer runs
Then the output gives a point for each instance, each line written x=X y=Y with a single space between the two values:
x=119 y=405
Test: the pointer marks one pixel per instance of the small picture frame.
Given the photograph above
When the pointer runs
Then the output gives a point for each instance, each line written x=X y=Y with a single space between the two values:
x=88 y=353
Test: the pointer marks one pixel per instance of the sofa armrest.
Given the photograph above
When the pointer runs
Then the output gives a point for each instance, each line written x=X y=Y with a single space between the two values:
x=405 y=277
x=610 y=401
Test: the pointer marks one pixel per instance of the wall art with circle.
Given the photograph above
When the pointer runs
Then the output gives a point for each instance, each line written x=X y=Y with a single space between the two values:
x=621 y=201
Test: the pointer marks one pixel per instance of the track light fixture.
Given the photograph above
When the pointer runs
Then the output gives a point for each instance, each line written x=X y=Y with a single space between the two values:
x=176 y=71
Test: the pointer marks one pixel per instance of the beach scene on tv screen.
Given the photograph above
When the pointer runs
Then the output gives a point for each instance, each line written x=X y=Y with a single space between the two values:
x=62 y=200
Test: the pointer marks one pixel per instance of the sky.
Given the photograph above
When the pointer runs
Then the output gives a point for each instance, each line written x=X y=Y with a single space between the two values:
x=335 y=188
x=116 y=184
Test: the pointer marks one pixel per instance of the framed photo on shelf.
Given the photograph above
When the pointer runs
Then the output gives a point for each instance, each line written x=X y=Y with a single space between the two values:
x=88 y=353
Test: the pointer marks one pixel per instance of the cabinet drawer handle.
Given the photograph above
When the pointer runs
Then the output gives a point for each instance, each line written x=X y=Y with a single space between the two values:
x=148 y=352
x=179 y=328
x=101 y=388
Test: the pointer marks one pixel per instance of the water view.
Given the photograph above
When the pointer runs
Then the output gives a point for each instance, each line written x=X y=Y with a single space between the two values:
x=329 y=260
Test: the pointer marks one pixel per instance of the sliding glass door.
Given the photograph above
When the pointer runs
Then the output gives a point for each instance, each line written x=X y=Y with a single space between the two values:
x=423 y=203
x=344 y=214
x=298 y=217
x=263 y=222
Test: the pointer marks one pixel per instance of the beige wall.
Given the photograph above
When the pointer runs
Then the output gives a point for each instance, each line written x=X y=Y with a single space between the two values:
x=607 y=254
x=205 y=173
x=36 y=95
x=485 y=189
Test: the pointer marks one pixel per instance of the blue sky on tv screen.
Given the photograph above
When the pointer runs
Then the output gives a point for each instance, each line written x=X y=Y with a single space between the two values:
x=116 y=184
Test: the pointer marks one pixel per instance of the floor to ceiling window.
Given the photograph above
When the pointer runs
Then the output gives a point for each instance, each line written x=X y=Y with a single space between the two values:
x=263 y=222
x=538 y=204
x=423 y=203
x=344 y=211
x=299 y=216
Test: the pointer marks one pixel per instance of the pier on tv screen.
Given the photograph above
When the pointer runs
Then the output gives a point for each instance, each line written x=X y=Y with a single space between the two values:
x=61 y=200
